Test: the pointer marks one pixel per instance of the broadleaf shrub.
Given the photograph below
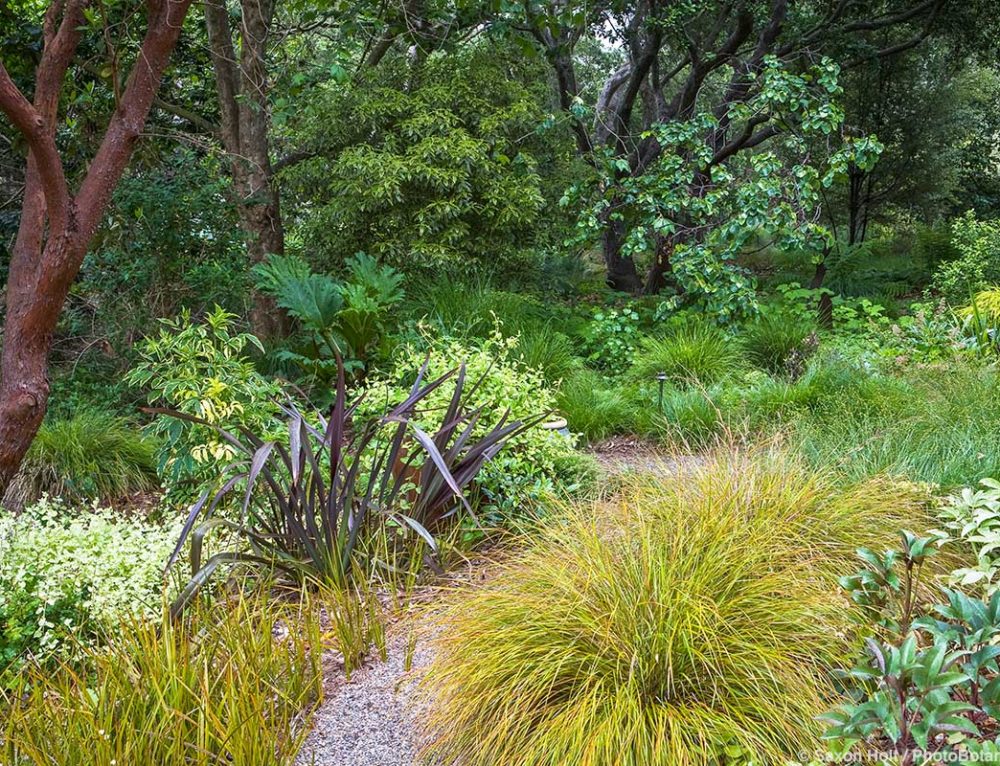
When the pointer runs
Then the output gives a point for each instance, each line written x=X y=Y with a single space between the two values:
x=201 y=369
x=345 y=319
x=978 y=263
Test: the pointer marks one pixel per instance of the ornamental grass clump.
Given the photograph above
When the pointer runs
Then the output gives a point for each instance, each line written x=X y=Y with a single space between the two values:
x=233 y=683
x=693 y=616
x=696 y=354
x=92 y=455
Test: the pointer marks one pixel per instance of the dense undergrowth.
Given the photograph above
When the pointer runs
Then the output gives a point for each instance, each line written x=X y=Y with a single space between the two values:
x=218 y=687
x=406 y=421
x=675 y=325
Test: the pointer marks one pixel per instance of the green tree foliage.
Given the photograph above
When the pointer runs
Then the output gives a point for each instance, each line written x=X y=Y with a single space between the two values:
x=693 y=215
x=978 y=263
x=169 y=242
x=438 y=164
x=937 y=118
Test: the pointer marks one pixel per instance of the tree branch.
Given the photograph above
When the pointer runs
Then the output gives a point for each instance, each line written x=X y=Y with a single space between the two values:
x=42 y=145
x=223 y=55
x=128 y=119
x=187 y=114
x=870 y=25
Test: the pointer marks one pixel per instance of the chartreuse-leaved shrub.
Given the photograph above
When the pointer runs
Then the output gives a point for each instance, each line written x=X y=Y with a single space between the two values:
x=68 y=575
x=201 y=368
x=693 y=618
x=235 y=683
x=532 y=465
x=433 y=164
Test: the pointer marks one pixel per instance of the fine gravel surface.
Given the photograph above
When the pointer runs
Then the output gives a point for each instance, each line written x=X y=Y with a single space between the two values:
x=371 y=720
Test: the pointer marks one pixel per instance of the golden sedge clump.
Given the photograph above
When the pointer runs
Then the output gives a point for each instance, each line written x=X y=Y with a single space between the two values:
x=694 y=614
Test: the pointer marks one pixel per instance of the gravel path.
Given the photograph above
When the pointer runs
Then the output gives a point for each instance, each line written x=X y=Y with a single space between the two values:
x=371 y=720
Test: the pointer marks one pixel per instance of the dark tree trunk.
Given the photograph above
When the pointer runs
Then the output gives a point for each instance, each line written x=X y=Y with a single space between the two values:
x=824 y=311
x=242 y=87
x=621 y=271
x=857 y=218
x=656 y=277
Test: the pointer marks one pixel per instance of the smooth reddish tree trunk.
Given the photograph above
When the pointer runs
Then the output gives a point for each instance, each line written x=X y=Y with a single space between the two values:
x=56 y=226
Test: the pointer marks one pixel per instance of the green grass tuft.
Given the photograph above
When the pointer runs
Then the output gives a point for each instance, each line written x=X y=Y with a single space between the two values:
x=694 y=354
x=939 y=425
x=91 y=455
x=771 y=341
x=549 y=351
x=597 y=410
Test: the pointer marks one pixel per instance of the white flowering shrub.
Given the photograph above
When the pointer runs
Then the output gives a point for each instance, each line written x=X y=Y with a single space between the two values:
x=76 y=572
x=531 y=466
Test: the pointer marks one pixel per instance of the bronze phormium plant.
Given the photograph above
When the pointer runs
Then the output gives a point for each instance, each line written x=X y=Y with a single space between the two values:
x=310 y=500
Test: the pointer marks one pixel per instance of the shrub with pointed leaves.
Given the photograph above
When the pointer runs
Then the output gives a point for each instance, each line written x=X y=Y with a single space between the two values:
x=972 y=518
x=201 y=369
x=537 y=464
x=930 y=677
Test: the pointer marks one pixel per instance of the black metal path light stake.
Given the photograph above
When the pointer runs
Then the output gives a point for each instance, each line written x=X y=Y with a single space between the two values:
x=662 y=377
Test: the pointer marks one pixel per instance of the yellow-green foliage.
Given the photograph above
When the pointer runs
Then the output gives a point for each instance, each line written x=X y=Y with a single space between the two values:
x=107 y=565
x=231 y=686
x=533 y=464
x=693 y=613
x=985 y=308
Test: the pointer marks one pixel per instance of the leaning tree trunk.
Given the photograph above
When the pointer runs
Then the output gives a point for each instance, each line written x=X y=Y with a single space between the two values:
x=620 y=269
x=656 y=277
x=56 y=226
x=824 y=311
x=27 y=339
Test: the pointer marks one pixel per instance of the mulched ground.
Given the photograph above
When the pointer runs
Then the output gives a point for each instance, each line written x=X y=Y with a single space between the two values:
x=371 y=720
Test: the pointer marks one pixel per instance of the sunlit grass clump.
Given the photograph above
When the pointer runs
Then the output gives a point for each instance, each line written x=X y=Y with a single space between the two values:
x=693 y=615
x=231 y=684
x=695 y=353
